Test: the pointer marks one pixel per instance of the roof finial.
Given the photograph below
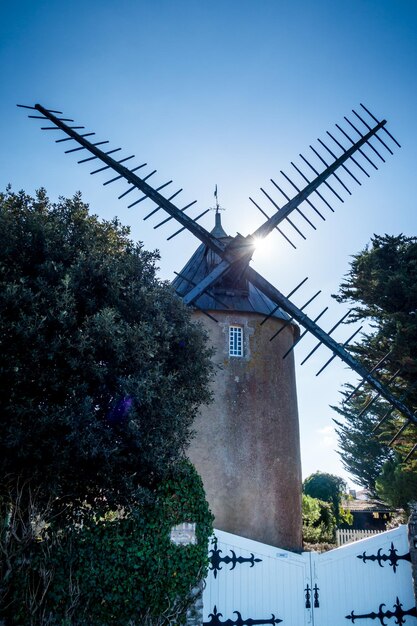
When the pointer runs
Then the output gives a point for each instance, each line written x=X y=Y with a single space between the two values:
x=217 y=200
x=218 y=229
x=217 y=208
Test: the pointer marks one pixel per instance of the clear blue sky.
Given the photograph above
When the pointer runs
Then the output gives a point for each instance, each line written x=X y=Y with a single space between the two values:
x=228 y=93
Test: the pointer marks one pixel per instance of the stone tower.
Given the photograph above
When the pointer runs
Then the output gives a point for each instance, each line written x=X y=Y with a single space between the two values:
x=246 y=446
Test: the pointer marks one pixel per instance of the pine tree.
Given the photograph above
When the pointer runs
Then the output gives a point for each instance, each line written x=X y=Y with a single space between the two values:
x=382 y=286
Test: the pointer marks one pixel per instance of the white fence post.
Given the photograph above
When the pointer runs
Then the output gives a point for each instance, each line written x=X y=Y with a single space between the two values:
x=347 y=535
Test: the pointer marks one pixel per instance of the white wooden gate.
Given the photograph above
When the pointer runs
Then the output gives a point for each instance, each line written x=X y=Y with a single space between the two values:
x=250 y=583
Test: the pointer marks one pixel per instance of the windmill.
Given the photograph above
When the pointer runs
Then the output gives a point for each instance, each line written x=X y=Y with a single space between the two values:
x=317 y=182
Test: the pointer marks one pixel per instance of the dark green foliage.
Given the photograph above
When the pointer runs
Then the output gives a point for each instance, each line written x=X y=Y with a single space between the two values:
x=382 y=286
x=101 y=368
x=362 y=453
x=397 y=484
x=101 y=374
x=326 y=487
x=118 y=569
x=319 y=522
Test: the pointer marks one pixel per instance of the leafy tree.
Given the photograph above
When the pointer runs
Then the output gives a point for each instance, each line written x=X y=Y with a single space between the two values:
x=319 y=522
x=101 y=374
x=382 y=286
x=118 y=569
x=328 y=488
x=96 y=355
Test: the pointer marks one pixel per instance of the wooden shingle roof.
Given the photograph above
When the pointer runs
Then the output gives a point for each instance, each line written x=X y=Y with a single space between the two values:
x=241 y=295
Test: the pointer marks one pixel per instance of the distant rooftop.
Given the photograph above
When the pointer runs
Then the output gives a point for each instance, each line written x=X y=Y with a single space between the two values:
x=367 y=505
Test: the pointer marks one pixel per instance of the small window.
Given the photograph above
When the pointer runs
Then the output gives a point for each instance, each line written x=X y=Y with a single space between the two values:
x=235 y=341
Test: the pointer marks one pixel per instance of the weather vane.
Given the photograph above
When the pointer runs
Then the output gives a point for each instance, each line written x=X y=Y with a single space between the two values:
x=217 y=208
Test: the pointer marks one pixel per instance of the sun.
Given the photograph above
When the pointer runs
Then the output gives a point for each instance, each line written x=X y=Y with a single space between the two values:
x=263 y=247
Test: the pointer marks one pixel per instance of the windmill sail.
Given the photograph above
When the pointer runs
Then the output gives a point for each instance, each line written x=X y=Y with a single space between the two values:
x=234 y=255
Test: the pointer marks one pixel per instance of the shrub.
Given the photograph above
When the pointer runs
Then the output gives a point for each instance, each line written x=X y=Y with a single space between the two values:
x=119 y=569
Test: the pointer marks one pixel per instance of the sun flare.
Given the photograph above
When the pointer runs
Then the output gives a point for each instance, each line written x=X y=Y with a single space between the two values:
x=263 y=246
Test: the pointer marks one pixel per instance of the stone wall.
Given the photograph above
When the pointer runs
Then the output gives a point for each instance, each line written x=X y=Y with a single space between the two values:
x=183 y=535
x=246 y=447
x=195 y=612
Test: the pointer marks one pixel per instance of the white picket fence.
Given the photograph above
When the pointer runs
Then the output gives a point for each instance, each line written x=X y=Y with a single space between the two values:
x=348 y=536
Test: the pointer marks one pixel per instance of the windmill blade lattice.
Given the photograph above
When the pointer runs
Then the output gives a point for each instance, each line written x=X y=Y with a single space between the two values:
x=235 y=256
x=322 y=179
x=325 y=339
x=129 y=175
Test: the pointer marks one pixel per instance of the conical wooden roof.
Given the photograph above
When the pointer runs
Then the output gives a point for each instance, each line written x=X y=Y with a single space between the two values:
x=241 y=295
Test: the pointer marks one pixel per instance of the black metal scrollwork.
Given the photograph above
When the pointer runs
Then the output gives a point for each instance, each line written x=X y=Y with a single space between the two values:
x=398 y=613
x=308 y=596
x=215 y=620
x=215 y=559
x=316 y=596
x=392 y=557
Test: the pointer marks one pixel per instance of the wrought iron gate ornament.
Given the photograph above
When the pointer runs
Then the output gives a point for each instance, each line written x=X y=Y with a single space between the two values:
x=398 y=613
x=392 y=557
x=316 y=596
x=308 y=591
x=215 y=559
x=308 y=596
x=215 y=620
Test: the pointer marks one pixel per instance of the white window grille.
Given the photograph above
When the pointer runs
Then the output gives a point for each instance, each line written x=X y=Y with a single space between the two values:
x=235 y=341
